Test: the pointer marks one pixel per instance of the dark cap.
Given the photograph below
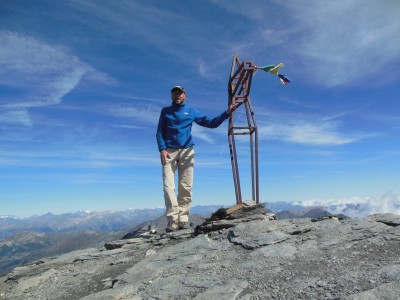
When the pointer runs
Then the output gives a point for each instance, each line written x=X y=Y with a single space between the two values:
x=178 y=87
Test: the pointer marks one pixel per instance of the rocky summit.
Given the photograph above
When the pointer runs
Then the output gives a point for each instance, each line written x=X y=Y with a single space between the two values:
x=243 y=255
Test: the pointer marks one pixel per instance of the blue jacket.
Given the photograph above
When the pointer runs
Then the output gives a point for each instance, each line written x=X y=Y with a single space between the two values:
x=175 y=125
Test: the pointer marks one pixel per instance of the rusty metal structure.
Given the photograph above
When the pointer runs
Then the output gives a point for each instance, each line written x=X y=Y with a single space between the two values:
x=239 y=85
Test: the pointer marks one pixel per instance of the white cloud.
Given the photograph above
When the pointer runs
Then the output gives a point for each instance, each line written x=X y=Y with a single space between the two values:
x=125 y=126
x=19 y=117
x=137 y=112
x=26 y=62
x=305 y=132
x=344 y=41
x=78 y=158
x=126 y=20
x=199 y=132
x=207 y=71
x=58 y=89
x=330 y=42
x=41 y=74
x=359 y=206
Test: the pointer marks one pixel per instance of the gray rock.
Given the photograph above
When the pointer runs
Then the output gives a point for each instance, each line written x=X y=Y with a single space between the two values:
x=391 y=272
x=120 y=243
x=228 y=291
x=251 y=256
x=256 y=234
x=386 y=291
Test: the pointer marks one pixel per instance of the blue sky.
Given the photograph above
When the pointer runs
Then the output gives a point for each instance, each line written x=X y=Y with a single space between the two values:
x=82 y=84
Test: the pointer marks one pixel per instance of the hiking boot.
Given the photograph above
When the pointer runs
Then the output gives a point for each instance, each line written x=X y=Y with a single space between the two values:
x=183 y=226
x=171 y=227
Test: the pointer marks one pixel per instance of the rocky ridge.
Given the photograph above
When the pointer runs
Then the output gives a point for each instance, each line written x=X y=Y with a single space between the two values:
x=245 y=255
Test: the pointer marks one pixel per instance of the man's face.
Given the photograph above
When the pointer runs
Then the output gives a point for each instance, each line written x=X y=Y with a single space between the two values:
x=178 y=97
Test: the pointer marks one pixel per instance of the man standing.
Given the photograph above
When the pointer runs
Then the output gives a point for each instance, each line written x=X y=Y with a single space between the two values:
x=174 y=139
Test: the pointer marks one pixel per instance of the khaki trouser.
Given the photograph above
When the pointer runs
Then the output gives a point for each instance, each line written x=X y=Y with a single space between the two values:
x=178 y=206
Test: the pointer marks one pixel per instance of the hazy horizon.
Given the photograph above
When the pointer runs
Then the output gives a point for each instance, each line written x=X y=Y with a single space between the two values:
x=351 y=207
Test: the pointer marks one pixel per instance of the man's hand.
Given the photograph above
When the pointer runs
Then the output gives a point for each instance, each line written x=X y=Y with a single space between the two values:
x=232 y=108
x=163 y=156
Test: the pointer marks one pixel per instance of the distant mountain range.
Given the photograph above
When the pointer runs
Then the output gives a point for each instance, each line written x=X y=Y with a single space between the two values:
x=28 y=239
x=23 y=240
x=77 y=221
x=107 y=220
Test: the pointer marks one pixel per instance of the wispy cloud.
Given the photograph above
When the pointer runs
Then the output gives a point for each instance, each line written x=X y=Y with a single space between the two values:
x=202 y=133
x=293 y=128
x=19 y=117
x=78 y=158
x=324 y=50
x=148 y=113
x=306 y=132
x=40 y=74
x=116 y=19
x=123 y=20
x=344 y=41
x=335 y=43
